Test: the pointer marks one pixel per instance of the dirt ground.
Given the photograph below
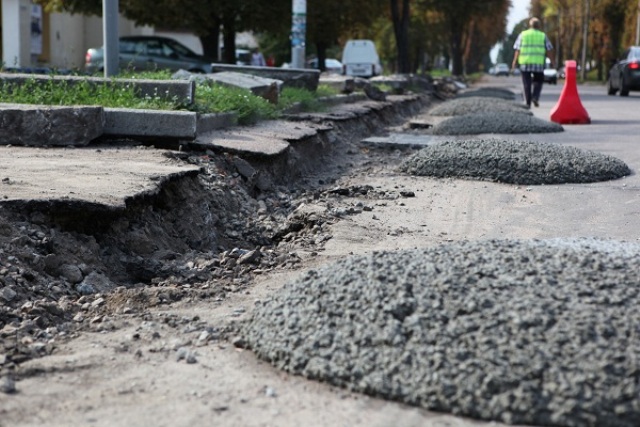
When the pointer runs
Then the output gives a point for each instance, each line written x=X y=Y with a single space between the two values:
x=172 y=364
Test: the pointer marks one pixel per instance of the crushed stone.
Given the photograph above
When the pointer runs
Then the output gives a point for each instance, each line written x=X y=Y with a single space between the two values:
x=473 y=104
x=492 y=122
x=514 y=162
x=489 y=92
x=532 y=332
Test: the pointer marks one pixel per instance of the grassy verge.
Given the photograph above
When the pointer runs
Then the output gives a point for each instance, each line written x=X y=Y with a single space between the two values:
x=210 y=98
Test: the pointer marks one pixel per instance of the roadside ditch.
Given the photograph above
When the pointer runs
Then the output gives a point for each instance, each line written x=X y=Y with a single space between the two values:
x=67 y=265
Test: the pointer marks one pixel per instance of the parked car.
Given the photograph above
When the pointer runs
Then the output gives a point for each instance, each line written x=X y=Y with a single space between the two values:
x=333 y=66
x=150 y=53
x=502 y=69
x=550 y=74
x=360 y=58
x=624 y=75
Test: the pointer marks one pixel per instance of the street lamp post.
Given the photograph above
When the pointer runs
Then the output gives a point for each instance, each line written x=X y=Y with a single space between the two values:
x=110 y=35
x=298 y=32
x=638 y=25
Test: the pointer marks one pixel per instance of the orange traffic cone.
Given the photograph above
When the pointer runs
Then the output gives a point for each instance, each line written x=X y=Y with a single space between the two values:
x=569 y=109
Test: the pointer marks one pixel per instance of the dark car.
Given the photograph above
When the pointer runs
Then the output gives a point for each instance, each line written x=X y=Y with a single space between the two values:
x=624 y=75
x=140 y=53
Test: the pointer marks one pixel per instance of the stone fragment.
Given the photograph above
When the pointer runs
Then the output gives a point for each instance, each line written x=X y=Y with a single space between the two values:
x=263 y=87
x=290 y=77
x=8 y=294
x=72 y=273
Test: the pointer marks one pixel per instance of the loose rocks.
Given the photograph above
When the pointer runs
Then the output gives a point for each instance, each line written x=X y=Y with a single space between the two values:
x=533 y=332
x=489 y=92
x=491 y=122
x=514 y=162
x=473 y=104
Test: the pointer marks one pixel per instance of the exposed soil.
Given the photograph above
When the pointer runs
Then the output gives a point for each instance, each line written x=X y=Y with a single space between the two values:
x=124 y=315
x=72 y=269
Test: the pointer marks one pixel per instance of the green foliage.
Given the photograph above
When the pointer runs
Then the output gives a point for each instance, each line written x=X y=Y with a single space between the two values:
x=218 y=98
x=326 y=90
x=307 y=100
x=54 y=92
x=146 y=75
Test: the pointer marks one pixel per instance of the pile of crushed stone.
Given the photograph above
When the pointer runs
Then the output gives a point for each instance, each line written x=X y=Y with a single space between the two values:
x=514 y=162
x=491 y=122
x=490 y=92
x=532 y=332
x=473 y=104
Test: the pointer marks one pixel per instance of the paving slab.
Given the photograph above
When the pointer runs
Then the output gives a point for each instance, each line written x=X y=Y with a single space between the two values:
x=291 y=77
x=268 y=138
x=107 y=176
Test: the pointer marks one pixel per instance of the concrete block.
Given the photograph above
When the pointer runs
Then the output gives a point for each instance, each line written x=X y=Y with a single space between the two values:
x=182 y=91
x=209 y=122
x=291 y=77
x=150 y=123
x=43 y=125
x=264 y=87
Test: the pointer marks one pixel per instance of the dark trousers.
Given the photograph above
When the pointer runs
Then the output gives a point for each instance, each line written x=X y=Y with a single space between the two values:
x=532 y=81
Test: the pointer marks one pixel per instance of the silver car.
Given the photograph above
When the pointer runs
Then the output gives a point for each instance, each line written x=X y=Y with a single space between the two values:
x=148 y=53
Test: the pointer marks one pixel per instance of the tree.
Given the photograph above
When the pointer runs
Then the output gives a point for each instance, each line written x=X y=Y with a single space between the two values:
x=400 y=14
x=205 y=18
x=459 y=16
x=332 y=22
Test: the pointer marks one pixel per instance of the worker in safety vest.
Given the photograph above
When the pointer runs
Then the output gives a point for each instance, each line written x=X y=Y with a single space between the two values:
x=532 y=47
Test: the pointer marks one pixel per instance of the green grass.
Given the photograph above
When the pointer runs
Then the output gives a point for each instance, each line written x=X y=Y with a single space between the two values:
x=213 y=98
x=59 y=93
x=210 y=98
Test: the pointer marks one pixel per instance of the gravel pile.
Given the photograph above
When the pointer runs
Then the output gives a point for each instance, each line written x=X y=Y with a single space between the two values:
x=491 y=122
x=514 y=162
x=534 y=332
x=489 y=92
x=473 y=104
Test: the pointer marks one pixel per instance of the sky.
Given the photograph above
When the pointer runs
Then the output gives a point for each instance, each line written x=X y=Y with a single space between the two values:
x=519 y=11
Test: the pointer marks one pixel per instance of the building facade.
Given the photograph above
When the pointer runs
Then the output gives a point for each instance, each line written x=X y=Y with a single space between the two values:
x=34 y=38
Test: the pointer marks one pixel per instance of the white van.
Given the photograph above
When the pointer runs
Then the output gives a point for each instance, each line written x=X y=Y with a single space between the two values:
x=360 y=58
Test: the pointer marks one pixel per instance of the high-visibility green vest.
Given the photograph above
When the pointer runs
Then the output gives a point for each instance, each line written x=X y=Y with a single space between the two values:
x=532 y=47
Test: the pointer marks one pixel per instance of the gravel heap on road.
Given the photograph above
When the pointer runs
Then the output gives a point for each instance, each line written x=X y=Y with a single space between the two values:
x=491 y=122
x=540 y=332
x=490 y=92
x=473 y=104
x=514 y=162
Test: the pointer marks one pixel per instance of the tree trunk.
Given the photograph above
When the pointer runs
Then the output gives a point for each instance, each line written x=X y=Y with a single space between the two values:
x=211 y=42
x=456 y=53
x=229 y=37
x=400 y=20
x=321 y=49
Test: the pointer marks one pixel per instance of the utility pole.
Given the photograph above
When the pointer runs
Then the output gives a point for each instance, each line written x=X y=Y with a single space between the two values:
x=110 y=35
x=638 y=25
x=298 y=32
